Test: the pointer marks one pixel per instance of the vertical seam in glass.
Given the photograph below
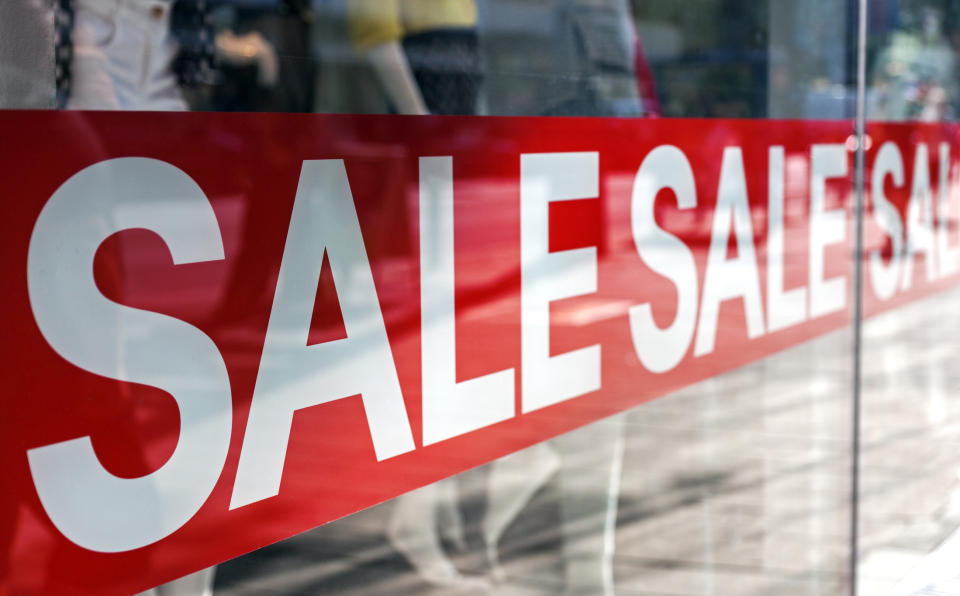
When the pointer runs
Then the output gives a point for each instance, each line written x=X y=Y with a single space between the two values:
x=859 y=202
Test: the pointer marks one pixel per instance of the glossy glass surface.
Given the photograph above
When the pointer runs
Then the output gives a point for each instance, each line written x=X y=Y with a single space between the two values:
x=427 y=348
x=909 y=481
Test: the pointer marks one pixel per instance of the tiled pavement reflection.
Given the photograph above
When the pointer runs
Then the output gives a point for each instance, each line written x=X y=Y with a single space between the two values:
x=737 y=485
x=911 y=442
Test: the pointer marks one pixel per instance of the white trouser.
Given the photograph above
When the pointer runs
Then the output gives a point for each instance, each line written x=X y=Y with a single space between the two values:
x=123 y=52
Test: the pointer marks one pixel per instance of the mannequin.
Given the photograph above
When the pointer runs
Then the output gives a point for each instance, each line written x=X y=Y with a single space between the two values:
x=562 y=58
x=121 y=55
x=400 y=39
x=565 y=58
x=424 y=52
x=378 y=28
x=399 y=49
x=138 y=54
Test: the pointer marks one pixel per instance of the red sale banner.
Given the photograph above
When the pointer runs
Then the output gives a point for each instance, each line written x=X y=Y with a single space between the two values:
x=226 y=329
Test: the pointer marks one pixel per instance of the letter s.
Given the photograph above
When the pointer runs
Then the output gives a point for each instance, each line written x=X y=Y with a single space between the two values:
x=92 y=507
x=660 y=350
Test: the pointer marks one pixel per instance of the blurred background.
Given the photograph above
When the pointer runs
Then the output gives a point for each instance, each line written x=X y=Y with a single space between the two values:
x=737 y=485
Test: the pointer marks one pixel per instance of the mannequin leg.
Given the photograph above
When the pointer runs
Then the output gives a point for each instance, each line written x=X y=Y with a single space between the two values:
x=412 y=530
x=448 y=513
x=591 y=463
x=513 y=481
x=195 y=584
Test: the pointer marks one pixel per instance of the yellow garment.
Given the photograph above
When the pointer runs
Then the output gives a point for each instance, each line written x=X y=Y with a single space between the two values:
x=373 y=22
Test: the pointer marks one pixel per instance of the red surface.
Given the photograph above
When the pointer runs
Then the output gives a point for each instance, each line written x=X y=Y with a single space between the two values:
x=248 y=166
